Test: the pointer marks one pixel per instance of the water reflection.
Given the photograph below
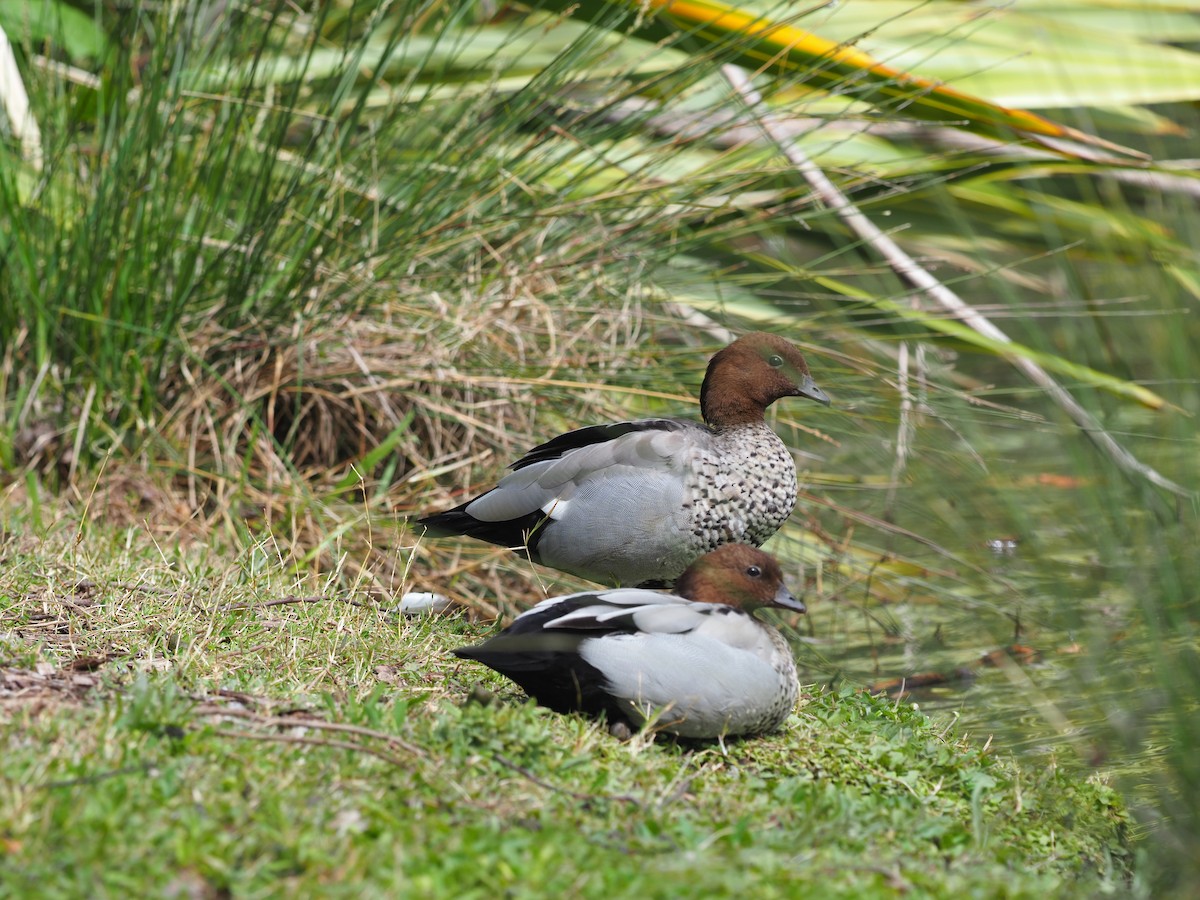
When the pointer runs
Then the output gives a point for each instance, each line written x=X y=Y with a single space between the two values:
x=1030 y=625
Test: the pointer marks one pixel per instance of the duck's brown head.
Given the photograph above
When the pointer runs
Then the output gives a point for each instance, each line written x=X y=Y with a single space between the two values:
x=737 y=575
x=751 y=374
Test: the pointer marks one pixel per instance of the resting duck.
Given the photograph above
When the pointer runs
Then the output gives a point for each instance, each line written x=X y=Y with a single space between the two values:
x=695 y=663
x=634 y=503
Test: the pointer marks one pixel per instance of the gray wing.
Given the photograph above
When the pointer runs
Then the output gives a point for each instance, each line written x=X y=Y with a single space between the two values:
x=619 y=467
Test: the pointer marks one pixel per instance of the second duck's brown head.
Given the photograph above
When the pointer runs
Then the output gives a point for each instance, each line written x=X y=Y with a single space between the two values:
x=737 y=575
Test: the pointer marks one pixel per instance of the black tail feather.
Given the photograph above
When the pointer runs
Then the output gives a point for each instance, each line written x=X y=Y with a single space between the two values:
x=517 y=534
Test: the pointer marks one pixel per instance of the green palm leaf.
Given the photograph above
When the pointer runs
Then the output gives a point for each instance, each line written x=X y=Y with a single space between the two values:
x=777 y=47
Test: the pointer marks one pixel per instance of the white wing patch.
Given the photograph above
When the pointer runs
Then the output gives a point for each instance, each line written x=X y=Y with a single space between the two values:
x=556 y=508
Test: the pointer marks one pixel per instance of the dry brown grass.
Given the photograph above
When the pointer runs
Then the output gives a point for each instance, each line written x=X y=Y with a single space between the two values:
x=266 y=433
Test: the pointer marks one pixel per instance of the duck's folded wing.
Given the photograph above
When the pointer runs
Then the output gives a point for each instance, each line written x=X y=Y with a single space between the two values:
x=547 y=479
x=556 y=448
x=535 y=650
x=587 y=614
x=584 y=607
x=636 y=611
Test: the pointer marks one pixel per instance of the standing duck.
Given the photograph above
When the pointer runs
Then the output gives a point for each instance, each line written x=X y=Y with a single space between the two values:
x=634 y=503
x=696 y=663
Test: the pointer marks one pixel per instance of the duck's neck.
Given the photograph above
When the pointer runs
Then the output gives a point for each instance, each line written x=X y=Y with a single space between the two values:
x=724 y=409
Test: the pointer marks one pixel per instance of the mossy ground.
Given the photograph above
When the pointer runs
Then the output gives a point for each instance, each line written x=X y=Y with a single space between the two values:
x=205 y=724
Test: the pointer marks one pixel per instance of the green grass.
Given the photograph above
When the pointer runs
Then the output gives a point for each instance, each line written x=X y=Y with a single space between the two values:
x=208 y=723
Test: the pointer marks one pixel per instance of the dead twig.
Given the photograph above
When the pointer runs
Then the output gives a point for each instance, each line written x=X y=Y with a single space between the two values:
x=98 y=777
x=149 y=589
x=904 y=430
x=287 y=601
x=308 y=722
x=541 y=782
x=312 y=742
x=81 y=611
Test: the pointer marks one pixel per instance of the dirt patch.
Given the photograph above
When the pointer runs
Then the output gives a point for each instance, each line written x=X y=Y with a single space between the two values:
x=48 y=687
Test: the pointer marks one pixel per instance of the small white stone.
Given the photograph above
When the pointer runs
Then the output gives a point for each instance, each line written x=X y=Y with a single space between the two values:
x=424 y=603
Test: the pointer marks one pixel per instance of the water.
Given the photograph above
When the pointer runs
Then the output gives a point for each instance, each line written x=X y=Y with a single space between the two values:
x=1032 y=600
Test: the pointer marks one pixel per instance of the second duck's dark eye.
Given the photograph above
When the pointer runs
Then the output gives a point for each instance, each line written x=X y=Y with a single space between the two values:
x=754 y=572
x=775 y=361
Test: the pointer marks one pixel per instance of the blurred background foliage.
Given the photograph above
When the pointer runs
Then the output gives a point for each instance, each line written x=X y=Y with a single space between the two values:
x=313 y=270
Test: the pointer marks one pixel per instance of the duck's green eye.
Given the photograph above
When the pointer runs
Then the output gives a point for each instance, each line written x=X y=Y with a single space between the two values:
x=754 y=572
x=775 y=361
